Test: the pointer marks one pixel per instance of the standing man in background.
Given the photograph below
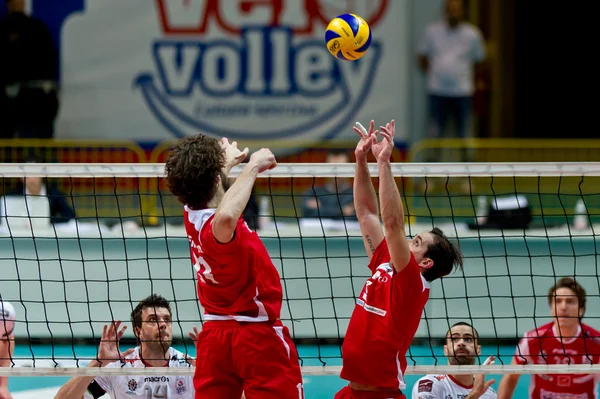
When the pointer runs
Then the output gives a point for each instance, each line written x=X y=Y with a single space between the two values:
x=28 y=75
x=449 y=53
x=565 y=340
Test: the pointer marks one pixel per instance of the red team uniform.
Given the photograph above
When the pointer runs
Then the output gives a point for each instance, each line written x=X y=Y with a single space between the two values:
x=383 y=324
x=240 y=291
x=544 y=346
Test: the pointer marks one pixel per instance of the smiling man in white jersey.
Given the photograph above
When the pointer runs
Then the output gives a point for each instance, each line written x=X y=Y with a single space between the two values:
x=152 y=324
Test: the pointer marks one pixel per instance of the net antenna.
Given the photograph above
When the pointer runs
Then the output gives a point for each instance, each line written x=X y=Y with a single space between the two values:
x=66 y=282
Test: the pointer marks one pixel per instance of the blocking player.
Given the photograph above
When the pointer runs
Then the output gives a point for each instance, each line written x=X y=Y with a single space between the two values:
x=461 y=349
x=243 y=344
x=566 y=340
x=152 y=324
x=388 y=310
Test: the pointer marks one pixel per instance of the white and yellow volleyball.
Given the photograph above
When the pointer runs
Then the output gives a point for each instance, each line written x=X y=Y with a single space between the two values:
x=348 y=37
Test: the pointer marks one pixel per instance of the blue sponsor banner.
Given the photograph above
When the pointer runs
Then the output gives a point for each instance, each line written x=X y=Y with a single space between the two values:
x=244 y=69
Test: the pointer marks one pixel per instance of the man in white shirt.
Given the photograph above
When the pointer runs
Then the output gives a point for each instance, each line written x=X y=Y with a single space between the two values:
x=152 y=325
x=448 y=53
x=461 y=349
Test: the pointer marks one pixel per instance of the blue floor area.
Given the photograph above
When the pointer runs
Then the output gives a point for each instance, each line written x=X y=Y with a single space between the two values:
x=316 y=387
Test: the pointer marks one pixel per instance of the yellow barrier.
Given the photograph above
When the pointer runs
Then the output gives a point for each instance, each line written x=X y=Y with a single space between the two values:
x=506 y=150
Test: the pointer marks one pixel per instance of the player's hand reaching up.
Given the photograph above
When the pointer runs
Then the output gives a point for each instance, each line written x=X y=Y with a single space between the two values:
x=367 y=139
x=194 y=334
x=383 y=149
x=480 y=385
x=264 y=159
x=233 y=155
x=108 y=350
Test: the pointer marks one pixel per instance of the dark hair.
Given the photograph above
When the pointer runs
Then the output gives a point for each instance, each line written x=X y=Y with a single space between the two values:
x=153 y=301
x=462 y=323
x=570 y=283
x=193 y=169
x=444 y=255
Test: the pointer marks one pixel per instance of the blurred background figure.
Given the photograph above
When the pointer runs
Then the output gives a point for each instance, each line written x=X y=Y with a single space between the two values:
x=449 y=53
x=28 y=75
x=334 y=199
x=35 y=200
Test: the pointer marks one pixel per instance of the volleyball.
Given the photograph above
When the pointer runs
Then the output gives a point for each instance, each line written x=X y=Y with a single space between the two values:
x=348 y=37
x=7 y=319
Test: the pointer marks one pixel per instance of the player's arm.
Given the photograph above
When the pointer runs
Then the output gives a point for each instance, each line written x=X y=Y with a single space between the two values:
x=392 y=210
x=365 y=198
x=507 y=385
x=108 y=353
x=7 y=347
x=235 y=199
x=77 y=387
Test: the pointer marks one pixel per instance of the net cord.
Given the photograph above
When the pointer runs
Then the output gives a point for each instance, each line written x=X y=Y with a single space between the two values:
x=306 y=370
x=286 y=170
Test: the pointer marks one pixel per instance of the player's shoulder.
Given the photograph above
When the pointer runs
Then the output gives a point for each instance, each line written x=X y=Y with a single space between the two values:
x=470 y=29
x=197 y=218
x=381 y=255
x=590 y=333
x=178 y=359
x=427 y=383
x=541 y=331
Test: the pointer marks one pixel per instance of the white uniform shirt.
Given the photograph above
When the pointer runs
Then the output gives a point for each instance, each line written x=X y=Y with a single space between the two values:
x=155 y=386
x=444 y=387
x=452 y=53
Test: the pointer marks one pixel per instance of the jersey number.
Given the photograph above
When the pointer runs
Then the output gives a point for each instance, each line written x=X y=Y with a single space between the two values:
x=160 y=391
x=369 y=282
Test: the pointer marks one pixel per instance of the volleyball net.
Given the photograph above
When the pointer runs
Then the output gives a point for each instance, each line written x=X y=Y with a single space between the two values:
x=520 y=226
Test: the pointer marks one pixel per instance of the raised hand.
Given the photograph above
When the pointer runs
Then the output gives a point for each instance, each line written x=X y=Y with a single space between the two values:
x=233 y=155
x=194 y=334
x=108 y=350
x=367 y=139
x=264 y=159
x=383 y=149
x=480 y=385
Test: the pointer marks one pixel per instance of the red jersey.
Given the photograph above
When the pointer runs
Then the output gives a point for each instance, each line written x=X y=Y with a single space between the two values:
x=236 y=280
x=544 y=346
x=384 y=322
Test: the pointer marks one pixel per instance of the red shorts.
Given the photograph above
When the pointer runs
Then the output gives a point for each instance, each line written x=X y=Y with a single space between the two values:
x=349 y=393
x=258 y=359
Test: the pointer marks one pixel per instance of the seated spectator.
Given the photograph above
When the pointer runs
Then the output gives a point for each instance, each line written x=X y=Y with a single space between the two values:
x=334 y=199
x=38 y=193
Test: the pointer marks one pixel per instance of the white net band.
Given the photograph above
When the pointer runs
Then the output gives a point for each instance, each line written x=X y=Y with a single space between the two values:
x=526 y=169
